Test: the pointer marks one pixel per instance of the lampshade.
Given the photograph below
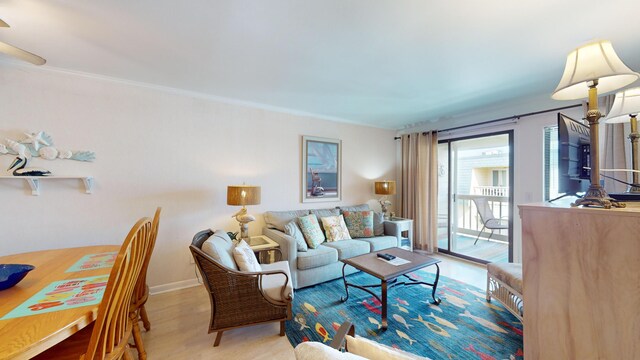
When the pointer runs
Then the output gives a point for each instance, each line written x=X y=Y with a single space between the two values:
x=243 y=195
x=385 y=187
x=626 y=103
x=594 y=61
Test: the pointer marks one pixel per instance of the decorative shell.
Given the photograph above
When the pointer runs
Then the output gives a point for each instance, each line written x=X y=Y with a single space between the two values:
x=48 y=152
x=64 y=154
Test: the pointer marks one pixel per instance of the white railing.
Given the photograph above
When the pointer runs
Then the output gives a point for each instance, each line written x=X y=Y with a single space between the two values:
x=491 y=190
x=469 y=222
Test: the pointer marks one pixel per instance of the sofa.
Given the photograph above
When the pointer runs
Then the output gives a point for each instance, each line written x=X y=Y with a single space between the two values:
x=317 y=265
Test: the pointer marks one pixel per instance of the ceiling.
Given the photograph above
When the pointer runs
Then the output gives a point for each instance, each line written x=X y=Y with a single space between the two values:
x=384 y=63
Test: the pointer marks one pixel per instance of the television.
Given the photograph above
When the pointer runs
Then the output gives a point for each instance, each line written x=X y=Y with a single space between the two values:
x=573 y=156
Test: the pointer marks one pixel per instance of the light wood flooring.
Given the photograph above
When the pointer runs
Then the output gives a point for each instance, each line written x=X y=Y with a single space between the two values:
x=180 y=319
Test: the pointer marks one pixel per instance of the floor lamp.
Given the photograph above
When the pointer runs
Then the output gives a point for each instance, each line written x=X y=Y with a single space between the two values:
x=591 y=68
x=626 y=107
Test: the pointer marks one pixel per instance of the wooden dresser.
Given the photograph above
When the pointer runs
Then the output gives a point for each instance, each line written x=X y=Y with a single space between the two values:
x=581 y=282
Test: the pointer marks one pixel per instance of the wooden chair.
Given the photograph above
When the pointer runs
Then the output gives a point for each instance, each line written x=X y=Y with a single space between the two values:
x=141 y=293
x=238 y=298
x=108 y=337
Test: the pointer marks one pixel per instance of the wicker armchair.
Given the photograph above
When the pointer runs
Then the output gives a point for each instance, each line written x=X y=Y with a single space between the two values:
x=238 y=298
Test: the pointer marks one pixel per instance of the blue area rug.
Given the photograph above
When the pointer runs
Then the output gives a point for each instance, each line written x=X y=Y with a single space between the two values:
x=464 y=326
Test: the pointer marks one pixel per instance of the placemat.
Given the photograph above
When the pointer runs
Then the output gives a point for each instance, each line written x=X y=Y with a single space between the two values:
x=63 y=295
x=94 y=261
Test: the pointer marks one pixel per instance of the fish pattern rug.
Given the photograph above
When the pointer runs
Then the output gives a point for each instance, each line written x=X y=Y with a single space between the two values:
x=463 y=326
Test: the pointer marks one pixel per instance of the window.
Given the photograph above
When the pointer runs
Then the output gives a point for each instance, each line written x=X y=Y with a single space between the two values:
x=500 y=177
x=551 y=162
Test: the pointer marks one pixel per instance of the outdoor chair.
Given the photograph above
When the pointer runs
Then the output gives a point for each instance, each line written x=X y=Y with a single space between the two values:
x=240 y=298
x=489 y=221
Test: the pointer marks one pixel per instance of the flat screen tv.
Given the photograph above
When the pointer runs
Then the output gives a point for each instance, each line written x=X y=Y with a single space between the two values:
x=573 y=156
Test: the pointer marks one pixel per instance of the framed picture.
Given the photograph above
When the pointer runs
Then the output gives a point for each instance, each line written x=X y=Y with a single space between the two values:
x=321 y=169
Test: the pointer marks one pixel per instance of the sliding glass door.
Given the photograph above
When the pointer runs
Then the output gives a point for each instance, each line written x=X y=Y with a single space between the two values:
x=475 y=197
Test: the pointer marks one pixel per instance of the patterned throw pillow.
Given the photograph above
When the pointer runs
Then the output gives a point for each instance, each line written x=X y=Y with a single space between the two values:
x=245 y=257
x=311 y=230
x=335 y=228
x=292 y=229
x=359 y=223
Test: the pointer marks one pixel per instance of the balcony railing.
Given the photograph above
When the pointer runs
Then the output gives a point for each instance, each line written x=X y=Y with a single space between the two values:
x=491 y=190
x=468 y=220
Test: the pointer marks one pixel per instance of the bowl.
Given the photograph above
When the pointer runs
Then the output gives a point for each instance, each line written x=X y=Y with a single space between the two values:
x=11 y=274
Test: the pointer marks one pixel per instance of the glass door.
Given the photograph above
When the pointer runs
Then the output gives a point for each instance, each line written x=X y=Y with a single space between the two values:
x=475 y=192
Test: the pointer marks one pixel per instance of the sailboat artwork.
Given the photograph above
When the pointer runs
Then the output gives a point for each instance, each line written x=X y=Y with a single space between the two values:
x=38 y=144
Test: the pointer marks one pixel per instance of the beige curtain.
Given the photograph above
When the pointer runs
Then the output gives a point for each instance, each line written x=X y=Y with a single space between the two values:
x=419 y=192
x=614 y=155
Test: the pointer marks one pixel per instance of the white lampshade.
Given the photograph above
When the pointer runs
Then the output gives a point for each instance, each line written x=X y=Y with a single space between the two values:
x=626 y=103
x=594 y=61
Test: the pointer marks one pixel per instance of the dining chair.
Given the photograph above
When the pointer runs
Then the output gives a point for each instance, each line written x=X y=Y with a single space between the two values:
x=489 y=221
x=108 y=337
x=141 y=293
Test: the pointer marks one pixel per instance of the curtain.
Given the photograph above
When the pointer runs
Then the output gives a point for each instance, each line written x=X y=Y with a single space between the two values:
x=614 y=155
x=419 y=192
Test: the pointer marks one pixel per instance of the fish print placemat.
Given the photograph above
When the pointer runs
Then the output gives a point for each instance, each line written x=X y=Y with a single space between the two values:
x=62 y=295
x=94 y=261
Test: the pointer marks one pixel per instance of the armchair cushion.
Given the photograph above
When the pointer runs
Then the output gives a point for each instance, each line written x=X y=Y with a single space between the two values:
x=292 y=229
x=220 y=247
x=311 y=230
x=272 y=284
x=335 y=228
x=311 y=350
x=375 y=351
x=278 y=219
x=245 y=258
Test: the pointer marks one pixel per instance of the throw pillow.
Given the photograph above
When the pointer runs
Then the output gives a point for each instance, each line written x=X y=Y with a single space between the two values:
x=311 y=230
x=359 y=223
x=335 y=228
x=292 y=229
x=375 y=351
x=378 y=224
x=245 y=257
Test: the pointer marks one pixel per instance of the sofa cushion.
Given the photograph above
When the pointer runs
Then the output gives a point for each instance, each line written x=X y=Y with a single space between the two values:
x=292 y=229
x=349 y=248
x=335 y=228
x=220 y=247
x=245 y=257
x=272 y=284
x=361 y=207
x=278 y=219
x=359 y=223
x=314 y=258
x=381 y=242
x=311 y=230
x=378 y=224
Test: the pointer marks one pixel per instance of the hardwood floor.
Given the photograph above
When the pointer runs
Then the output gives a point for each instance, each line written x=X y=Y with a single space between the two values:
x=180 y=319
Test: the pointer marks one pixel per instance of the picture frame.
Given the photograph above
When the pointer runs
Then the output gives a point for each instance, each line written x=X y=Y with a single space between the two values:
x=321 y=169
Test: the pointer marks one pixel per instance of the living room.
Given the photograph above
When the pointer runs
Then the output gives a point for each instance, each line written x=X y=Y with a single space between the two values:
x=178 y=103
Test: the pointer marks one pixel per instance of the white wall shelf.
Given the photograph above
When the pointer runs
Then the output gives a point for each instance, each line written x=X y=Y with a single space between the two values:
x=34 y=181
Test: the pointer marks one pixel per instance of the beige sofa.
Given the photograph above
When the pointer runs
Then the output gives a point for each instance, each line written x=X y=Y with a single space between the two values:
x=323 y=263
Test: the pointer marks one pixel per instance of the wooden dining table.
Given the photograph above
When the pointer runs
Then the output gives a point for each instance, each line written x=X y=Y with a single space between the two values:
x=26 y=336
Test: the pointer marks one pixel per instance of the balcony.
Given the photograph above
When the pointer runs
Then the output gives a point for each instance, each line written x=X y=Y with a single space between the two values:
x=467 y=226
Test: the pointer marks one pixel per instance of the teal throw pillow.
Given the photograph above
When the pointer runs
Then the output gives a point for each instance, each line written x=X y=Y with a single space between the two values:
x=292 y=229
x=359 y=223
x=311 y=230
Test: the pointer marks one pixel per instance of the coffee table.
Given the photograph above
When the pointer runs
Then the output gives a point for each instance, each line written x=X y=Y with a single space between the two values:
x=389 y=274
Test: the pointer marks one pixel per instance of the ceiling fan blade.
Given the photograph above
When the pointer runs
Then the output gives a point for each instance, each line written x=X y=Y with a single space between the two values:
x=21 y=54
x=3 y=24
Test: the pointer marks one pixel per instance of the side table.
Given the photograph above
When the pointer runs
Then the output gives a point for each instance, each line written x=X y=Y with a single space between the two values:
x=402 y=229
x=260 y=243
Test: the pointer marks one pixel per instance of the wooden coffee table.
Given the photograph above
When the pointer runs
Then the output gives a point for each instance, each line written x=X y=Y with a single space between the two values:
x=389 y=274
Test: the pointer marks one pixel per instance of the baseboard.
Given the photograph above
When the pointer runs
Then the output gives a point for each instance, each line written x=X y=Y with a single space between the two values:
x=159 y=289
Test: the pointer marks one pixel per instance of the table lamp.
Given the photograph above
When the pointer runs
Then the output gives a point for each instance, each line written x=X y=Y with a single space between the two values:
x=242 y=195
x=385 y=188
x=626 y=107
x=590 y=68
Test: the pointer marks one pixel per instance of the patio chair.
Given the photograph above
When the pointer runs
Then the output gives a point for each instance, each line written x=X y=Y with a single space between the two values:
x=489 y=221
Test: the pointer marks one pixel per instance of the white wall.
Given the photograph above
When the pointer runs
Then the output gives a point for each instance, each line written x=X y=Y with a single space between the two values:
x=528 y=158
x=160 y=148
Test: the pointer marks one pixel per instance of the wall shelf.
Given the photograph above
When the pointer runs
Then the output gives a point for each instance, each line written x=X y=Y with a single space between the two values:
x=34 y=181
